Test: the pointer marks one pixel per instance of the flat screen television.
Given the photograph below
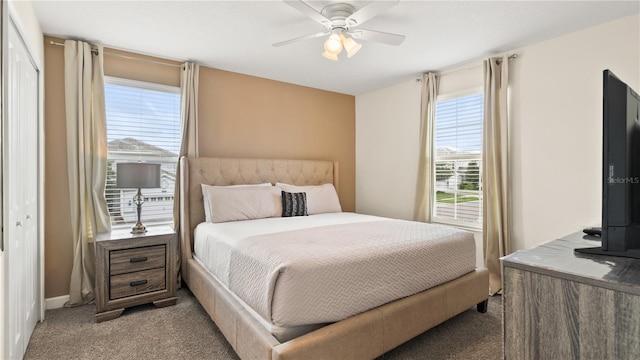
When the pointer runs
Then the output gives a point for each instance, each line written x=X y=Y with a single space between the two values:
x=620 y=234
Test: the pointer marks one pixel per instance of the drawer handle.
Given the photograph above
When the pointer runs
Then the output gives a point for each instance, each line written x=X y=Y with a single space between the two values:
x=137 y=283
x=138 y=259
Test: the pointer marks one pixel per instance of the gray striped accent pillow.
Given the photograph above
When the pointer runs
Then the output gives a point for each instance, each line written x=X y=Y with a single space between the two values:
x=294 y=204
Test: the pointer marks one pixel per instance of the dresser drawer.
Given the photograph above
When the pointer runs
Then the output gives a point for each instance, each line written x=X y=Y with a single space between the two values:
x=136 y=283
x=136 y=259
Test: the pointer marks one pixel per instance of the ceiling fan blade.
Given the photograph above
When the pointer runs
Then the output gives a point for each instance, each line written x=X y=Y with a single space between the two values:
x=310 y=36
x=378 y=36
x=306 y=9
x=368 y=11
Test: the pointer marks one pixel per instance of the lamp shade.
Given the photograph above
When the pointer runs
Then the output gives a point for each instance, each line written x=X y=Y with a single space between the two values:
x=137 y=175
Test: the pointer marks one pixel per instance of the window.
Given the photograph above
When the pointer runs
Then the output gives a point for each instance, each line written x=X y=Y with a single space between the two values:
x=458 y=161
x=143 y=124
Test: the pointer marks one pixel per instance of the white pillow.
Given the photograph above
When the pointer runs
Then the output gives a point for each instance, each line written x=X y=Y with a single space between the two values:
x=320 y=198
x=205 y=198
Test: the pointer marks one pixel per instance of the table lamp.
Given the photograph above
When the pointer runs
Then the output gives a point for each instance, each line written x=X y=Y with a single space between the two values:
x=138 y=175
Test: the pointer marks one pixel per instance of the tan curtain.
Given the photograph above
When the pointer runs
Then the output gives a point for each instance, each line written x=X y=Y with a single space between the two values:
x=189 y=109
x=495 y=169
x=422 y=210
x=86 y=160
x=189 y=128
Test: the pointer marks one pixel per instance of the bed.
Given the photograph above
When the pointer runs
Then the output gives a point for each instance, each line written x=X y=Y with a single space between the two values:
x=366 y=335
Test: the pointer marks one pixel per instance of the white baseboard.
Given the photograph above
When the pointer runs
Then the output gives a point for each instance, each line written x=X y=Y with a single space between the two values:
x=56 y=302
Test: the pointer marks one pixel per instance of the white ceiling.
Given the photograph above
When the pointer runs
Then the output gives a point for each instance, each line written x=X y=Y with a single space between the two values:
x=238 y=35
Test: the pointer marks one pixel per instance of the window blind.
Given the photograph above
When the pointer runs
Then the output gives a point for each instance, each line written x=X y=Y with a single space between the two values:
x=458 y=161
x=143 y=124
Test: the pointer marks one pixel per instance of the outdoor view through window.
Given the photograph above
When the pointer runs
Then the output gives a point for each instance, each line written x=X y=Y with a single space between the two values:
x=458 y=161
x=143 y=124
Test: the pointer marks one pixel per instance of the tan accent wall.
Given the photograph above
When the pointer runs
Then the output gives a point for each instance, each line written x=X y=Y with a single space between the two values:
x=245 y=116
x=240 y=116
x=58 y=246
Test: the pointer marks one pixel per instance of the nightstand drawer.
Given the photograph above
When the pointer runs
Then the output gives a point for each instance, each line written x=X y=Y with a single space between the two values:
x=136 y=259
x=137 y=283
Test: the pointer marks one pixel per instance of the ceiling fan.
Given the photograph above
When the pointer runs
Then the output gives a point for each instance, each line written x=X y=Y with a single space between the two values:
x=342 y=20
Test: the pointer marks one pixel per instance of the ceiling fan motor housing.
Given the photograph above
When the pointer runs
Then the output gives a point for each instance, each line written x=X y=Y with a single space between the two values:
x=338 y=13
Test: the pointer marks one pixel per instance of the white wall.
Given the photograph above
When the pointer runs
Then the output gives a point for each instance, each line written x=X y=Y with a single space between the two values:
x=387 y=148
x=557 y=127
x=556 y=116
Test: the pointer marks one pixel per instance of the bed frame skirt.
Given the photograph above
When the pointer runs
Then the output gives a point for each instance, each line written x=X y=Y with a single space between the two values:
x=363 y=336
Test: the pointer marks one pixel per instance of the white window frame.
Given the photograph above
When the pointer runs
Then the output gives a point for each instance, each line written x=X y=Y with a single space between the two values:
x=452 y=222
x=147 y=86
x=141 y=84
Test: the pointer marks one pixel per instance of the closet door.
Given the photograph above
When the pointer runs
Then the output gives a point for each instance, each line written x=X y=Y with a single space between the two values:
x=21 y=196
x=29 y=104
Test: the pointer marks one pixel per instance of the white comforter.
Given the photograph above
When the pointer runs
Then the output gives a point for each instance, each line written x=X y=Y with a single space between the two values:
x=327 y=267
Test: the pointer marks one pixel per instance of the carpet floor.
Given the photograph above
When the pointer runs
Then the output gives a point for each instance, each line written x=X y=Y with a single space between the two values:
x=185 y=331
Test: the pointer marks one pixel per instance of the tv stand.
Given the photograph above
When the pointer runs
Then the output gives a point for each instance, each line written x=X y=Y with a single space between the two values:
x=631 y=253
x=559 y=304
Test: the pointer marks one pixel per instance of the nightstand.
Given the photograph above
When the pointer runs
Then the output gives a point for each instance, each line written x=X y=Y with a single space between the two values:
x=134 y=269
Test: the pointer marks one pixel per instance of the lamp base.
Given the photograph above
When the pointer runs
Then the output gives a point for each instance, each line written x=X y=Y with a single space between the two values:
x=138 y=229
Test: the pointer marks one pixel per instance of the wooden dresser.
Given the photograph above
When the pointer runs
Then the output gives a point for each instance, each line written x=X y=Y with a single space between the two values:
x=134 y=269
x=562 y=305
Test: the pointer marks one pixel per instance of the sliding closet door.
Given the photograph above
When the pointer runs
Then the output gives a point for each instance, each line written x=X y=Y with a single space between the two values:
x=21 y=196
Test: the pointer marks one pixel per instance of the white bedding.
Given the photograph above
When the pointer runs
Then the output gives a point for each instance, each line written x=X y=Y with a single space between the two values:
x=305 y=275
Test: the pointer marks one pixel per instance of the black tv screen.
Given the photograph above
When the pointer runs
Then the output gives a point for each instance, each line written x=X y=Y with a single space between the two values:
x=620 y=234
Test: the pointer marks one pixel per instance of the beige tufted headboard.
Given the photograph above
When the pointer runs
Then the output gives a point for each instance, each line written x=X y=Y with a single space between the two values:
x=227 y=171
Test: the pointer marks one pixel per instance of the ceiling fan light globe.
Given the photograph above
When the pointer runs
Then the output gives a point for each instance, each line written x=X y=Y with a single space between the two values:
x=354 y=51
x=330 y=55
x=351 y=46
x=333 y=44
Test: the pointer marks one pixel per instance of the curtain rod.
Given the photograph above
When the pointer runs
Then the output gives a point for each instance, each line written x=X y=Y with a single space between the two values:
x=512 y=56
x=465 y=67
x=95 y=52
